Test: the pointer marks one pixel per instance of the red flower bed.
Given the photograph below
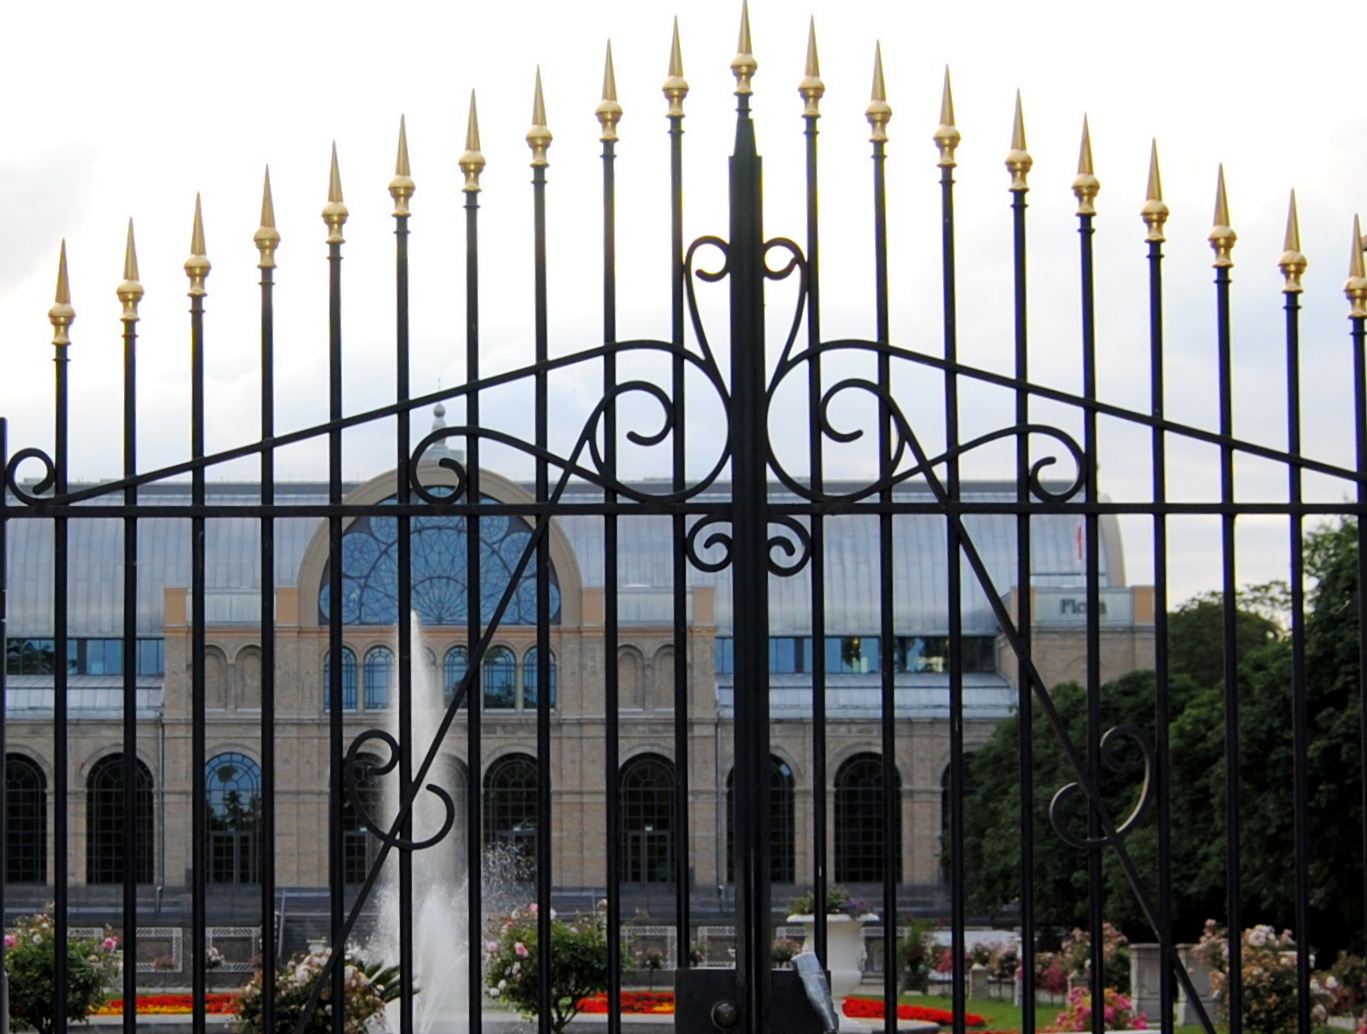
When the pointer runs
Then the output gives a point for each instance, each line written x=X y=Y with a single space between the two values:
x=633 y=1002
x=172 y=1005
x=872 y=1009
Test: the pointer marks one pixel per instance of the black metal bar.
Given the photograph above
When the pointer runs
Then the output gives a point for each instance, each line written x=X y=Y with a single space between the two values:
x=1230 y=614
x=1162 y=701
x=750 y=576
x=474 y=824
x=131 y=845
x=269 y=960
x=61 y=848
x=1023 y=615
x=1359 y=340
x=336 y=746
x=543 y=713
x=820 y=830
x=199 y=818
x=402 y=446
x=612 y=732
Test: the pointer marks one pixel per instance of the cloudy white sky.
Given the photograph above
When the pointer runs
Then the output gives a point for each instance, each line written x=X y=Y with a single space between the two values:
x=128 y=110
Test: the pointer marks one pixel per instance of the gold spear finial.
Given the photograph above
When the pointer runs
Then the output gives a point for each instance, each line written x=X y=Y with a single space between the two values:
x=401 y=187
x=539 y=136
x=1222 y=235
x=744 y=65
x=61 y=314
x=879 y=111
x=267 y=237
x=609 y=112
x=334 y=212
x=1086 y=186
x=1356 y=285
x=676 y=86
x=130 y=291
x=472 y=162
x=1292 y=262
x=197 y=265
x=947 y=135
x=1155 y=212
x=811 y=88
x=1018 y=160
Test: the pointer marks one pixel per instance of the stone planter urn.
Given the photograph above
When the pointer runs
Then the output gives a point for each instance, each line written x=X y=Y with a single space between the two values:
x=844 y=948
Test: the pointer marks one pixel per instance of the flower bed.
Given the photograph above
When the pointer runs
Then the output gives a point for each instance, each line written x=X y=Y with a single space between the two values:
x=172 y=1005
x=872 y=1009
x=634 y=1003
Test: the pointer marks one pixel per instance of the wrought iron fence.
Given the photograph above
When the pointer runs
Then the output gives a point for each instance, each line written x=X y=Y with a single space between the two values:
x=764 y=511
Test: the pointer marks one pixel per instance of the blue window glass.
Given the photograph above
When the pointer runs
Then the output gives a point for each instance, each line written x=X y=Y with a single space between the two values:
x=530 y=675
x=456 y=664
x=500 y=679
x=348 y=680
x=151 y=656
x=789 y=655
x=232 y=788
x=857 y=655
x=379 y=667
x=726 y=655
x=370 y=583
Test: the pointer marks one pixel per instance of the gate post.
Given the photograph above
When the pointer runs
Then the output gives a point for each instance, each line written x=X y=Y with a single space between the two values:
x=749 y=555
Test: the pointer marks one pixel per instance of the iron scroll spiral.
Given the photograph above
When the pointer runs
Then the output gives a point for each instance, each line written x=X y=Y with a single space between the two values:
x=377 y=829
x=30 y=495
x=1058 y=805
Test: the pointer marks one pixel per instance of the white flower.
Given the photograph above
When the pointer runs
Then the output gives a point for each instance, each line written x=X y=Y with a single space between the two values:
x=1257 y=937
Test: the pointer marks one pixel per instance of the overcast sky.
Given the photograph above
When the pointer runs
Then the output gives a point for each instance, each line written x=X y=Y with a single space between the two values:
x=128 y=110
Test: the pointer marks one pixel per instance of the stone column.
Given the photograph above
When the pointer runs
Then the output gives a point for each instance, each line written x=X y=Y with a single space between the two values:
x=1146 y=976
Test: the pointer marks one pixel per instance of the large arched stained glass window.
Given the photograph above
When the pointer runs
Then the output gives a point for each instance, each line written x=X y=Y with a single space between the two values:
x=377 y=671
x=370 y=572
x=106 y=840
x=860 y=833
x=510 y=812
x=25 y=821
x=232 y=791
x=648 y=820
x=782 y=853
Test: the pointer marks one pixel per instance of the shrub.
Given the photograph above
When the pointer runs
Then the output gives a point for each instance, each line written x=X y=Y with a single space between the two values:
x=367 y=988
x=1115 y=951
x=1119 y=1012
x=579 y=963
x=1269 y=978
x=31 y=959
x=839 y=902
x=916 y=951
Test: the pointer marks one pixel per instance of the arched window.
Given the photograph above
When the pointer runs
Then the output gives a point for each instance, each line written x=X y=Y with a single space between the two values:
x=500 y=679
x=348 y=680
x=379 y=667
x=232 y=791
x=946 y=788
x=530 y=693
x=106 y=838
x=359 y=848
x=647 y=787
x=454 y=667
x=370 y=571
x=510 y=811
x=782 y=849
x=860 y=832
x=25 y=821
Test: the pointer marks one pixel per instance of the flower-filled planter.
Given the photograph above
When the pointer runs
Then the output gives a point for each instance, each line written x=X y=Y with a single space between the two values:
x=845 y=954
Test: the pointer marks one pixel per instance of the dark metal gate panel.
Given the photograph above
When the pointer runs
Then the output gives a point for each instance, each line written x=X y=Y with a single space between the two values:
x=741 y=524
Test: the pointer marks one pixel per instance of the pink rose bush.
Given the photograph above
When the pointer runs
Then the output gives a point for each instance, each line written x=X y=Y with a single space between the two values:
x=1119 y=1012
x=579 y=962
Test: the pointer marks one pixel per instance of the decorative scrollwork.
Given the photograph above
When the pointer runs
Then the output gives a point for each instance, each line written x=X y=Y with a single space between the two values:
x=794 y=557
x=441 y=493
x=387 y=836
x=30 y=495
x=798 y=261
x=710 y=277
x=717 y=540
x=1059 y=805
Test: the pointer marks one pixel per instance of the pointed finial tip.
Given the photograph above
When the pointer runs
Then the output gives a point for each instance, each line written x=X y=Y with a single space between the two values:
x=472 y=161
x=1355 y=288
x=1086 y=186
x=743 y=65
x=267 y=237
x=401 y=187
x=609 y=111
x=61 y=314
x=947 y=135
x=1292 y=263
x=879 y=111
x=675 y=86
x=1155 y=212
x=335 y=212
x=1018 y=160
x=539 y=135
x=1222 y=236
x=130 y=290
x=811 y=88
x=197 y=266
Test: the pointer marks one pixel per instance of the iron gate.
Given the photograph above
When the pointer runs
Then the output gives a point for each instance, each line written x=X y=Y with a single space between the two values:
x=751 y=514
